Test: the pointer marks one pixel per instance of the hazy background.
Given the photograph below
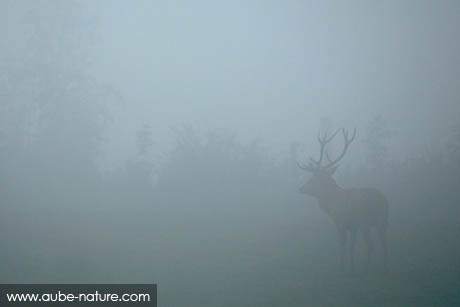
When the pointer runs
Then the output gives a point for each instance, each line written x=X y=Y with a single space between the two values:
x=151 y=141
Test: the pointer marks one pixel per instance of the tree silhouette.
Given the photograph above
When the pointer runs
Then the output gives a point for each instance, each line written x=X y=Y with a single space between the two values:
x=377 y=135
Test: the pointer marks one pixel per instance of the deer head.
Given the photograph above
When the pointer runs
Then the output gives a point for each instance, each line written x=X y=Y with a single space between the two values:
x=322 y=182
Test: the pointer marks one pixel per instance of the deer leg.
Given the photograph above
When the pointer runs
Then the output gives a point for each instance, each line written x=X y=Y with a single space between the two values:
x=343 y=248
x=383 y=239
x=369 y=245
x=352 y=248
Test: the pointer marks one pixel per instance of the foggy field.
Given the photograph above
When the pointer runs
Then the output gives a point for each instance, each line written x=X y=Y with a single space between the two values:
x=145 y=142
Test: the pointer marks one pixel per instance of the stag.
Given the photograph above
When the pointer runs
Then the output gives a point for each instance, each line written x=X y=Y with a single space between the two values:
x=352 y=210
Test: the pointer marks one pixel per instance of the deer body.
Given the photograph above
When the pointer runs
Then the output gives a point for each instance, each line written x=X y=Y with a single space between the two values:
x=355 y=208
x=352 y=210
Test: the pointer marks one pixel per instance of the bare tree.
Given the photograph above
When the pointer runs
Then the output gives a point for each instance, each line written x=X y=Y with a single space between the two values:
x=376 y=139
x=352 y=210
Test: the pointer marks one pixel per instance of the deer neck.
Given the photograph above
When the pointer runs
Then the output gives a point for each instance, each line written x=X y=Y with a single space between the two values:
x=329 y=198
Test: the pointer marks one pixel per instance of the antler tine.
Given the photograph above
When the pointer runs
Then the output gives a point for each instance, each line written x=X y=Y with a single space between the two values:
x=352 y=137
x=347 y=141
x=332 y=136
x=322 y=143
x=308 y=167
x=328 y=158
x=345 y=133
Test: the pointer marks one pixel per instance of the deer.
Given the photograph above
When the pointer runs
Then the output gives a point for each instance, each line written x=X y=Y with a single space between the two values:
x=352 y=210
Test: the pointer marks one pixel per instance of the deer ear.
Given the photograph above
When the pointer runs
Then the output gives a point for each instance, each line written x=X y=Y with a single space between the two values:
x=332 y=170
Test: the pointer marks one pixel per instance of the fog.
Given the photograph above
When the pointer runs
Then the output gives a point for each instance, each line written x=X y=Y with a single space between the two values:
x=159 y=142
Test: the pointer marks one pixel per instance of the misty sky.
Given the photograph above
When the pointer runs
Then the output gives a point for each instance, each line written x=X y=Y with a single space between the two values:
x=274 y=69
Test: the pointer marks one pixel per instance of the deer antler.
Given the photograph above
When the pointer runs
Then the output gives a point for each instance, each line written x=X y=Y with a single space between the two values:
x=310 y=167
x=322 y=143
x=345 y=148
